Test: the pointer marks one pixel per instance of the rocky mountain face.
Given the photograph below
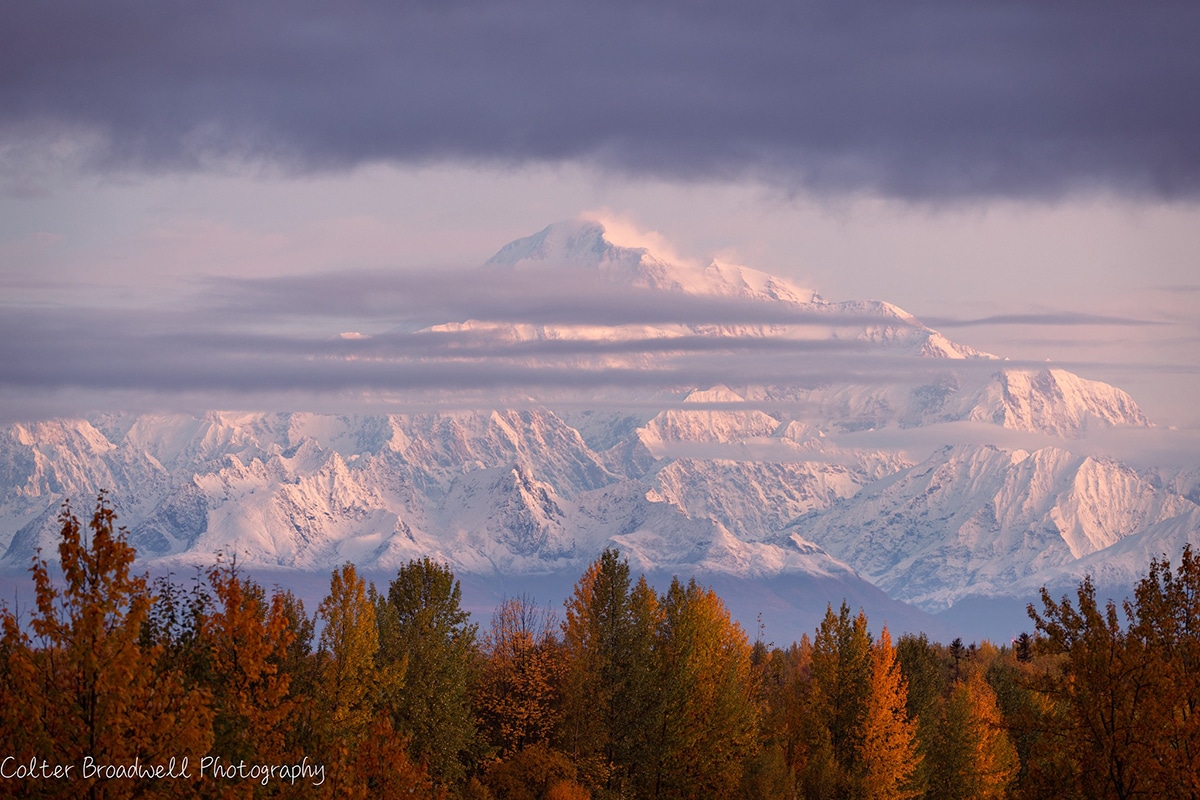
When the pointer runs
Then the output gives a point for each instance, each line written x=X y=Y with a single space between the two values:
x=761 y=483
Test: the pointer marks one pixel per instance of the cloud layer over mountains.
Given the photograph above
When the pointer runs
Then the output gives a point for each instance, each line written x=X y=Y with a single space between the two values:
x=236 y=339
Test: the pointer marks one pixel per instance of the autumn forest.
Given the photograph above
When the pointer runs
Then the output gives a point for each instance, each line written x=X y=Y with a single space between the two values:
x=116 y=685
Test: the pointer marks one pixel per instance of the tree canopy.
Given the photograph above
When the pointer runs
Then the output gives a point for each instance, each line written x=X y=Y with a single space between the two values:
x=634 y=694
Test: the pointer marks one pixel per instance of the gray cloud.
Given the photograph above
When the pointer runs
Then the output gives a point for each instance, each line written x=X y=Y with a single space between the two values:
x=236 y=342
x=178 y=353
x=563 y=295
x=931 y=99
x=173 y=359
x=274 y=342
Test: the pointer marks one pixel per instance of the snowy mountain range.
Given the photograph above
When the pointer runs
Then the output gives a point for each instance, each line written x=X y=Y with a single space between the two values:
x=966 y=477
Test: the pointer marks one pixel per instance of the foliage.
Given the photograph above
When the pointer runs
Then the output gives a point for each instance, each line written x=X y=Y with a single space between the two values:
x=837 y=704
x=423 y=627
x=1129 y=696
x=972 y=756
x=635 y=695
x=708 y=717
x=537 y=772
x=349 y=643
x=517 y=697
x=782 y=678
x=888 y=749
x=376 y=764
x=91 y=687
x=246 y=638
x=610 y=693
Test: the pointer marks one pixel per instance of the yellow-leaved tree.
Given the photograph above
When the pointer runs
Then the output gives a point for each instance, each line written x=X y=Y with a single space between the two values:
x=367 y=757
x=708 y=722
x=349 y=683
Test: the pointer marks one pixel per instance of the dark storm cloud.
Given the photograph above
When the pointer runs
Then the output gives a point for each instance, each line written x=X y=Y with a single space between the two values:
x=922 y=99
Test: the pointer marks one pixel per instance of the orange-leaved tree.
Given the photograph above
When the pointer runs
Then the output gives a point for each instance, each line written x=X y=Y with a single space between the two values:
x=245 y=638
x=85 y=686
x=519 y=685
x=888 y=749
x=1167 y=630
x=1127 y=683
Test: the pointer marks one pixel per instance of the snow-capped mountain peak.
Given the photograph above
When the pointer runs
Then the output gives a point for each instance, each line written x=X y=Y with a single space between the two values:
x=586 y=244
x=577 y=242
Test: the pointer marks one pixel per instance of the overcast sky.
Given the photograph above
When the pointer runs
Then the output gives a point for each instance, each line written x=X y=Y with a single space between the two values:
x=196 y=198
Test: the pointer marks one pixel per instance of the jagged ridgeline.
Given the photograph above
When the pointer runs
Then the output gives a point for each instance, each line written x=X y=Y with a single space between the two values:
x=962 y=478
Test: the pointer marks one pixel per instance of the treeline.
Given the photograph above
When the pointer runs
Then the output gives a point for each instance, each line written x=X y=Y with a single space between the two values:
x=630 y=694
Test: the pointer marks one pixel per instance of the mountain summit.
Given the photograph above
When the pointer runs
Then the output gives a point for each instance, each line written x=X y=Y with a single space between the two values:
x=578 y=243
x=586 y=244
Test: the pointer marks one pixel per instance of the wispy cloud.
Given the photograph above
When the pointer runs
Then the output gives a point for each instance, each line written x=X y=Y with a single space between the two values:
x=1057 y=318
x=1145 y=447
x=938 y=99
x=550 y=296
x=111 y=350
x=172 y=354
